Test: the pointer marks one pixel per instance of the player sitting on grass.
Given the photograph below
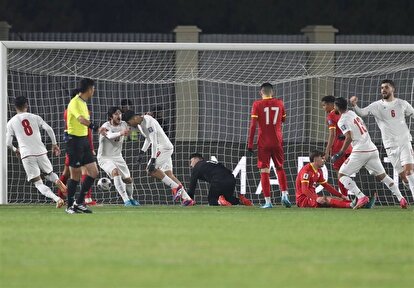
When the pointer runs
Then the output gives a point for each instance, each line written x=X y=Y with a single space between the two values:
x=311 y=175
x=26 y=128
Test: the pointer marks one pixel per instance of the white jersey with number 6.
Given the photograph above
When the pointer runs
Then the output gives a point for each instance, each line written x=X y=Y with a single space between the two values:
x=390 y=117
x=361 y=141
x=26 y=128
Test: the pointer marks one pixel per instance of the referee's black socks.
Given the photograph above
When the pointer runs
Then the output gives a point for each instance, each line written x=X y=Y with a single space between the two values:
x=86 y=184
x=72 y=185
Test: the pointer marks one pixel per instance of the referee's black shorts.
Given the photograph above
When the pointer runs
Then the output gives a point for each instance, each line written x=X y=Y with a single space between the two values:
x=79 y=151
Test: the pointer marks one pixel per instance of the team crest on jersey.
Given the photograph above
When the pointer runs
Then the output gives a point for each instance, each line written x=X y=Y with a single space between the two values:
x=150 y=130
x=306 y=176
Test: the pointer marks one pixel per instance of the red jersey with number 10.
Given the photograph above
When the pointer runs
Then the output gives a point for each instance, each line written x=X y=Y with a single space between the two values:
x=270 y=113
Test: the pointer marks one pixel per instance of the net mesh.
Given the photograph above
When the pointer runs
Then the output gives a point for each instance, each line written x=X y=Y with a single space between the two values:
x=203 y=101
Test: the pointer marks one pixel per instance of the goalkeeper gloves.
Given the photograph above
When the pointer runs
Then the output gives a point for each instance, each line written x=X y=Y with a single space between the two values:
x=140 y=156
x=151 y=165
x=335 y=157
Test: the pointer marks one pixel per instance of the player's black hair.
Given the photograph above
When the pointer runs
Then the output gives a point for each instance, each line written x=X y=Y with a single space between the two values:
x=126 y=102
x=20 y=102
x=74 y=93
x=328 y=99
x=341 y=103
x=196 y=155
x=316 y=153
x=128 y=115
x=267 y=87
x=112 y=110
x=85 y=84
x=388 y=81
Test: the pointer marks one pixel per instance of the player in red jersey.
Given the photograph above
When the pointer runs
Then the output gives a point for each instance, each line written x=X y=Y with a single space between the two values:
x=65 y=173
x=335 y=138
x=308 y=178
x=269 y=113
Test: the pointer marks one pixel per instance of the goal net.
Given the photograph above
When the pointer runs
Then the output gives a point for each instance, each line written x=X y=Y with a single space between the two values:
x=202 y=95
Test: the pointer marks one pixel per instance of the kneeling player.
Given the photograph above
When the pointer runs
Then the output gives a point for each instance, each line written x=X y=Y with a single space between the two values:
x=309 y=176
x=110 y=157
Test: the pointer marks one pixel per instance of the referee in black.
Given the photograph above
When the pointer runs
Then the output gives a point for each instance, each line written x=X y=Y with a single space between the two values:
x=221 y=179
x=78 y=148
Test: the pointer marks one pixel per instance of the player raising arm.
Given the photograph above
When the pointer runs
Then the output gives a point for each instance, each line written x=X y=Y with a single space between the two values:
x=390 y=113
x=25 y=127
x=110 y=155
x=269 y=113
x=160 y=165
x=364 y=154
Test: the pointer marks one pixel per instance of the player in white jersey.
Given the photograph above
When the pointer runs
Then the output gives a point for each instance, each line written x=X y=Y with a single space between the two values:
x=390 y=114
x=364 y=154
x=160 y=166
x=25 y=127
x=110 y=155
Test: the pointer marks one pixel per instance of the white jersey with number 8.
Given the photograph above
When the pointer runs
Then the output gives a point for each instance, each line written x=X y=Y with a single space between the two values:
x=25 y=127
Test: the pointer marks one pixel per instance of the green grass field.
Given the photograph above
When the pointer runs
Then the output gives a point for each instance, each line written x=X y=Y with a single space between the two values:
x=172 y=246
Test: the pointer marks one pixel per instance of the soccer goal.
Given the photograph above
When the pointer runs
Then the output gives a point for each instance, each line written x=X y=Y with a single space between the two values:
x=202 y=95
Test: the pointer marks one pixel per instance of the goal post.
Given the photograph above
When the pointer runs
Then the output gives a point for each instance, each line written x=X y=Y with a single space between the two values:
x=203 y=94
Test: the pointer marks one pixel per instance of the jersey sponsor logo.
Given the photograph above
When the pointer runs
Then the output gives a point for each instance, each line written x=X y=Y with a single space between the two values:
x=150 y=129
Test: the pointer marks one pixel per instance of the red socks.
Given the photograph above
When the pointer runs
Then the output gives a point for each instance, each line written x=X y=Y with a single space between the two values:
x=64 y=180
x=281 y=176
x=337 y=203
x=265 y=179
x=342 y=188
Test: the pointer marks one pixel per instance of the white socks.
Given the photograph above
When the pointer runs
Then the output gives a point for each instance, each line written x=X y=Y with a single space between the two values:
x=45 y=190
x=268 y=201
x=52 y=177
x=169 y=182
x=120 y=187
x=411 y=183
x=391 y=185
x=351 y=186
x=129 y=189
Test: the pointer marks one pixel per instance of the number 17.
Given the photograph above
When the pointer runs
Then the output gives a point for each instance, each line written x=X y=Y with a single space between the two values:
x=267 y=111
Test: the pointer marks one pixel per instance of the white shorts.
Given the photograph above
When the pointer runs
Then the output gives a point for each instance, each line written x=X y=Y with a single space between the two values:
x=109 y=164
x=33 y=165
x=357 y=160
x=164 y=160
x=400 y=156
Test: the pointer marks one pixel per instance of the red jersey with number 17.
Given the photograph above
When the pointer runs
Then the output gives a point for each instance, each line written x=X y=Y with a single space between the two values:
x=270 y=113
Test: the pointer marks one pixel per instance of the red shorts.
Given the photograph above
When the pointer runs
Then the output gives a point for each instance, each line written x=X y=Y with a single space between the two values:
x=264 y=155
x=340 y=161
x=306 y=202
